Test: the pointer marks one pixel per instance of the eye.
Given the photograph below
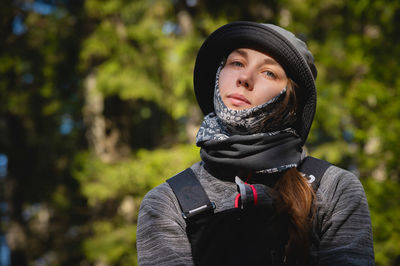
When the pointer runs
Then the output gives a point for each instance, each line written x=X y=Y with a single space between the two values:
x=236 y=63
x=269 y=74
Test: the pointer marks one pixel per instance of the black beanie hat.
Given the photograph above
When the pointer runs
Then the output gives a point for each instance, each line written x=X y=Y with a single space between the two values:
x=289 y=51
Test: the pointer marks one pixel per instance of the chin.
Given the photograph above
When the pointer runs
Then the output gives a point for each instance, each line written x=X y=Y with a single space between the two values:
x=240 y=107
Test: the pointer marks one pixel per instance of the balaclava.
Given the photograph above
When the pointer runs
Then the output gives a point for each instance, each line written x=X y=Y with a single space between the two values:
x=256 y=139
x=289 y=51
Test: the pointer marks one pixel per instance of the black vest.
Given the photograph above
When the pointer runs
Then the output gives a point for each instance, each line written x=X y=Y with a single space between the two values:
x=251 y=236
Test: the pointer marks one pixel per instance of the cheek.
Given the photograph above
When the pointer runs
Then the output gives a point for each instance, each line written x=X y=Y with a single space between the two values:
x=267 y=92
x=224 y=82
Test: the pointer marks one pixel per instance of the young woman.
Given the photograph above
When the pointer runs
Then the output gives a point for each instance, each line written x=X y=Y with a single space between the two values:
x=255 y=198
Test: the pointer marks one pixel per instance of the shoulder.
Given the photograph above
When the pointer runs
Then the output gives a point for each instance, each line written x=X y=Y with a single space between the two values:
x=162 y=196
x=340 y=195
x=342 y=203
x=343 y=220
x=161 y=230
x=159 y=203
x=160 y=209
x=338 y=182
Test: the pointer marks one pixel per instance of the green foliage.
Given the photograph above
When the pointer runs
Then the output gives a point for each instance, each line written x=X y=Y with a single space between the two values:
x=117 y=189
x=113 y=245
x=103 y=181
x=384 y=203
x=140 y=58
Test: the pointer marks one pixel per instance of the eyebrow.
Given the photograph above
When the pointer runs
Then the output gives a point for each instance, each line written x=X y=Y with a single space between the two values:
x=270 y=61
x=267 y=61
x=241 y=52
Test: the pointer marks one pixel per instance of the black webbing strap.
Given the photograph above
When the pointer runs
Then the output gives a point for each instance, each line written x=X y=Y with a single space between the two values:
x=190 y=194
x=314 y=169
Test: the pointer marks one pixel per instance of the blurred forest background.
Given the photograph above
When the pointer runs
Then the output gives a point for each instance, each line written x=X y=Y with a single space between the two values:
x=96 y=108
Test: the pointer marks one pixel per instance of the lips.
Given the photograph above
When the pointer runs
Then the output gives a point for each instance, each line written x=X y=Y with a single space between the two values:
x=238 y=99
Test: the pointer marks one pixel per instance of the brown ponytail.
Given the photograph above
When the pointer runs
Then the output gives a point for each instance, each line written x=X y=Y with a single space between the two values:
x=297 y=204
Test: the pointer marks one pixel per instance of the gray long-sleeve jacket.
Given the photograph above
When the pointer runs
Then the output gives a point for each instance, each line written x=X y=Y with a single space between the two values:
x=345 y=224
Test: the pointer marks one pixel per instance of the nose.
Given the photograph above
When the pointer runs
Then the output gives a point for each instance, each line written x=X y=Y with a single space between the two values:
x=245 y=80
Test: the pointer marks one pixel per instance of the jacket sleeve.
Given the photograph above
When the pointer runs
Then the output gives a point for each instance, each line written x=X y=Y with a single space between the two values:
x=344 y=220
x=161 y=233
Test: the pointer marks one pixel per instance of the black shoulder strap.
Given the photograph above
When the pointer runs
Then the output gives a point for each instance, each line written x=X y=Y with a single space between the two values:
x=314 y=169
x=190 y=193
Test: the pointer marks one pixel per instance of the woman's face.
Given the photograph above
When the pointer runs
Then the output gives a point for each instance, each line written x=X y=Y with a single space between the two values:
x=250 y=78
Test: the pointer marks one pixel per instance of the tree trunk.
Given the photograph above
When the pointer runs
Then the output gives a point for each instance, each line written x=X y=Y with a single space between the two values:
x=103 y=145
